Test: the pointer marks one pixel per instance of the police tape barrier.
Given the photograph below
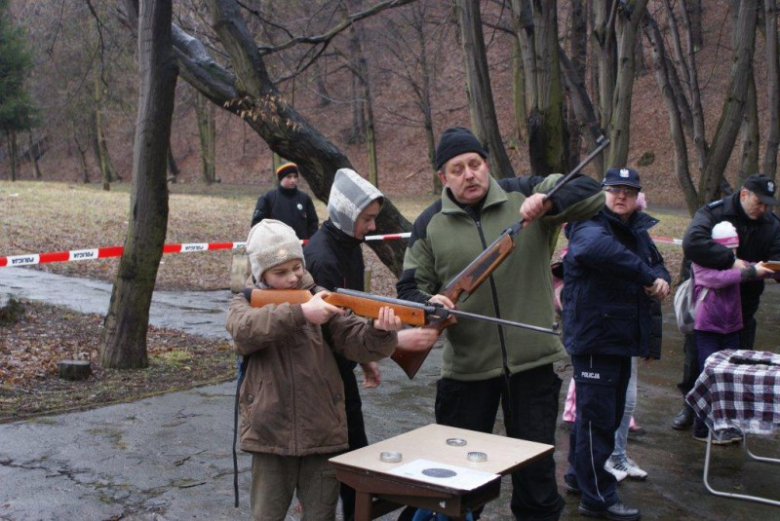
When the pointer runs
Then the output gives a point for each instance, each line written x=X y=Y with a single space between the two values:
x=116 y=251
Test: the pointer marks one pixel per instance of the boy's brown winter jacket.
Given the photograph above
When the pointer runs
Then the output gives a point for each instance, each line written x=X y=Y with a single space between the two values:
x=292 y=398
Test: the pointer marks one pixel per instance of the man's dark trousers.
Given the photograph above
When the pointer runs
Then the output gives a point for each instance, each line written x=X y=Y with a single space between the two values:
x=601 y=382
x=534 y=412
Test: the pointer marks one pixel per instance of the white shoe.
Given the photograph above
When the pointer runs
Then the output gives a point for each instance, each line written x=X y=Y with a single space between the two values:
x=620 y=475
x=628 y=466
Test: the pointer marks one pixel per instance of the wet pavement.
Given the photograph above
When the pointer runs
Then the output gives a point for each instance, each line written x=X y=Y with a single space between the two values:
x=169 y=457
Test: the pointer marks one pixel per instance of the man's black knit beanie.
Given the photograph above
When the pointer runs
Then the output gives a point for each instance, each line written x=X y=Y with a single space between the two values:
x=455 y=141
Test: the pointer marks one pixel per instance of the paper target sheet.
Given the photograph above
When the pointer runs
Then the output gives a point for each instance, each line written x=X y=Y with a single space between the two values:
x=437 y=473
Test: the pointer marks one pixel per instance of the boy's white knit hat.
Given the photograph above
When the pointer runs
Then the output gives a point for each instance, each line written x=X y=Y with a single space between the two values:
x=270 y=243
x=724 y=233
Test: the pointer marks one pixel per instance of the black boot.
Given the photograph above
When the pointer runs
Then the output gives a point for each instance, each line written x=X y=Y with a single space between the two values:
x=684 y=418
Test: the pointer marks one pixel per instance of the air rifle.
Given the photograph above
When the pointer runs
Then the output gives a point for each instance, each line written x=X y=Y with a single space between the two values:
x=368 y=305
x=478 y=270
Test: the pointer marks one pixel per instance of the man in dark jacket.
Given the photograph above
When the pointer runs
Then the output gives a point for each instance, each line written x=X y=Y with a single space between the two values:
x=485 y=366
x=612 y=271
x=759 y=240
x=335 y=260
x=288 y=204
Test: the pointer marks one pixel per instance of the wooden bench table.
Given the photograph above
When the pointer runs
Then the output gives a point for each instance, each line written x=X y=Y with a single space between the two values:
x=435 y=472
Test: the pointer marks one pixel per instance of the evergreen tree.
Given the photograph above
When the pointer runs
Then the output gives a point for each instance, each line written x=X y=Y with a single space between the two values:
x=16 y=109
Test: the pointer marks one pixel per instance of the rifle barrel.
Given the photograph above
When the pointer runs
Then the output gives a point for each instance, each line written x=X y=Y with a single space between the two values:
x=504 y=322
x=443 y=312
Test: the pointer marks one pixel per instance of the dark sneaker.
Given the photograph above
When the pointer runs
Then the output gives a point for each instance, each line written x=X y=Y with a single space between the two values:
x=723 y=437
x=684 y=419
x=570 y=482
x=616 y=512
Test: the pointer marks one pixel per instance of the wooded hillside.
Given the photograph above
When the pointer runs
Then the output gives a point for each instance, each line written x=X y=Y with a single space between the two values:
x=85 y=78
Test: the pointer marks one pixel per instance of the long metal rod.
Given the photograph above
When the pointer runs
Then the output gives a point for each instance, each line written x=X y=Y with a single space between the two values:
x=601 y=143
x=442 y=312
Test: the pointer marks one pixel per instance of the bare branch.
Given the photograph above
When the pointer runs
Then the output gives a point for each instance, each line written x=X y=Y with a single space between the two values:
x=333 y=32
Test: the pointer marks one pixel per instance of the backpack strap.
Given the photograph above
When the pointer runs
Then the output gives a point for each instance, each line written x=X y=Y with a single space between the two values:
x=242 y=363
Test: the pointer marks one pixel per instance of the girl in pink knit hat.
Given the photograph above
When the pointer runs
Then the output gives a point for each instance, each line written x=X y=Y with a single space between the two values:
x=719 y=313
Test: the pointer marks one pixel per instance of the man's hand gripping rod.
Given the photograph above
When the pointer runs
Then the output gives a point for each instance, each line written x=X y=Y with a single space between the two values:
x=478 y=270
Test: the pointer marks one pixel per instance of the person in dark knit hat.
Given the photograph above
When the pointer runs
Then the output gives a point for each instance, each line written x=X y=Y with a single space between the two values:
x=484 y=365
x=288 y=204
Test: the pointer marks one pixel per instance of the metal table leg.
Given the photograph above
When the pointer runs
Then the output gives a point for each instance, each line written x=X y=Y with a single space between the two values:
x=730 y=494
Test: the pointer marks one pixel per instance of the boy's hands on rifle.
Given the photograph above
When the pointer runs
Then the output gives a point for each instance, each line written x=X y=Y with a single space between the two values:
x=535 y=207
x=387 y=321
x=317 y=311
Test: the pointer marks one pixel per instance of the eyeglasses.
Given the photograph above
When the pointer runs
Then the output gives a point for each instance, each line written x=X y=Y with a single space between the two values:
x=628 y=192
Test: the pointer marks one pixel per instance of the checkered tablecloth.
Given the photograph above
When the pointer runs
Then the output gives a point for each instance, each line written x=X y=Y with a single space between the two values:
x=739 y=389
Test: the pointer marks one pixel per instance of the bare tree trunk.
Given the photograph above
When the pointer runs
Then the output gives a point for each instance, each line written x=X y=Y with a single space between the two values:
x=480 y=94
x=364 y=79
x=627 y=24
x=694 y=10
x=518 y=91
x=373 y=168
x=748 y=163
x=734 y=102
x=207 y=132
x=662 y=73
x=578 y=50
x=687 y=60
x=640 y=67
x=605 y=56
x=549 y=88
x=323 y=96
x=523 y=22
x=358 y=132
x=773 y=89
x=107 y=170
x=173 y=168
x=126 y=323
x=426 y=104
x=82 y=151
x=11 y=139
x=34 y=155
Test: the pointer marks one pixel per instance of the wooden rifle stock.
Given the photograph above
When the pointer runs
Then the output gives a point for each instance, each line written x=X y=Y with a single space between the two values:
x=467 y=281
x=473 y=275
x=360 y=306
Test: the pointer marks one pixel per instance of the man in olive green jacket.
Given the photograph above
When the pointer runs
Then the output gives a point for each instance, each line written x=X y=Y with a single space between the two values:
x=484 y=364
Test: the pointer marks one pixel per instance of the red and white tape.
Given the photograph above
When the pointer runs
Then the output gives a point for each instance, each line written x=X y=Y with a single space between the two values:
x=667 y=240
x=105 y=253
x=116 y=251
